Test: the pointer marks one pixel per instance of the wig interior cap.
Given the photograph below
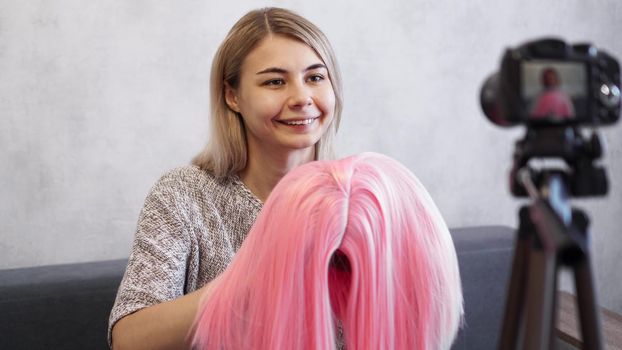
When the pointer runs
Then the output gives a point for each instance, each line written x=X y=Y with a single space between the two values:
x=356 y=242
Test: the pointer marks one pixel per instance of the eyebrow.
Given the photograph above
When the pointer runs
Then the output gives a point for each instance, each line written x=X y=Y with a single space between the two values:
x=283 y=71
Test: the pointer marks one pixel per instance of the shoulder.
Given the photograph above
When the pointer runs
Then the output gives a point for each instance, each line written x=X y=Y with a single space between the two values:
x=185 y=175
x=190 y=184
x=186 y=180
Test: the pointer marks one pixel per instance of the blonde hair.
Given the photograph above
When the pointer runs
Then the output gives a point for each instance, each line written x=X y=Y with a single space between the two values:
x=226 y=151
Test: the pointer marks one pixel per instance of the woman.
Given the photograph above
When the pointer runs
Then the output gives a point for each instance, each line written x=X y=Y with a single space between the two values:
x=552 y=101
x=276 y=104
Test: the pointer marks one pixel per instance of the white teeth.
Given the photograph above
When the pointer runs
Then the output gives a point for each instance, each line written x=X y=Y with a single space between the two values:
x=300 y=122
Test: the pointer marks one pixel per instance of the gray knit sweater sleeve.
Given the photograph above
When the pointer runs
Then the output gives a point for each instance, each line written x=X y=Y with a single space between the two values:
x=190 y=227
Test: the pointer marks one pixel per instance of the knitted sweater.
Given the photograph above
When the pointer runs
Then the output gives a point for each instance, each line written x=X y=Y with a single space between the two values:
x=188 y=231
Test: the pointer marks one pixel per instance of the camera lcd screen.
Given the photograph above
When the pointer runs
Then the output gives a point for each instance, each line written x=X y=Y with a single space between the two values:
x=554 y=91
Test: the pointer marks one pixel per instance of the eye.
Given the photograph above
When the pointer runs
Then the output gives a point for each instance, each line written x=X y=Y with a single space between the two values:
x=274 y=82
x=316 y=78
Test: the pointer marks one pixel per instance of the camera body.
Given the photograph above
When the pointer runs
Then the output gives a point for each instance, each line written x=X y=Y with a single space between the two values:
x=550 y=83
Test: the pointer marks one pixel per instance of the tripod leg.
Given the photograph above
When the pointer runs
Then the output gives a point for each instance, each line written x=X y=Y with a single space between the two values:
x=553 y=307
x=541 y=288
x=586 y=302
x=584 y=283
x=513 y=315
x=516 y=297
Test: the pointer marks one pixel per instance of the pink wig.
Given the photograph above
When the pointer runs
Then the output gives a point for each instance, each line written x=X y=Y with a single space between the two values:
x=357 y=240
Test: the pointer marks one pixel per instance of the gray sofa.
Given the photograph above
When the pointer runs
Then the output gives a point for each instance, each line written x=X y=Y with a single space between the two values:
x=67 y=306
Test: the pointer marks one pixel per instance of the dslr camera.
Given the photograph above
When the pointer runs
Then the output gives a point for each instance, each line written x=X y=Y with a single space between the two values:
x=548 y=82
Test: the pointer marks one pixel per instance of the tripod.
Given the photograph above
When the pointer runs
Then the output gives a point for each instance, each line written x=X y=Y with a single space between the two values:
x=551 y=235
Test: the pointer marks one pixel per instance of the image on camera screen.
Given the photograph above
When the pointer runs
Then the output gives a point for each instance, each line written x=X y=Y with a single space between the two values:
x=553 y=90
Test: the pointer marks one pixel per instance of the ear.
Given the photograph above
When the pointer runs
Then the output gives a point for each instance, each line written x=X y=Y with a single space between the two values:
x=231 y=98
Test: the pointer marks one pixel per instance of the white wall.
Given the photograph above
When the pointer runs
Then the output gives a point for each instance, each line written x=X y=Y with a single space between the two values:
x=99 y=98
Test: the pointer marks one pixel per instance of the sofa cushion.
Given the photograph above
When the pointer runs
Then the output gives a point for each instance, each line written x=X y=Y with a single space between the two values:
x=485 y=257
x=59 y=306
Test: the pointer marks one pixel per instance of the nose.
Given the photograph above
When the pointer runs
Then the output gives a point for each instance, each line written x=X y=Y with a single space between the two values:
x=300 y=97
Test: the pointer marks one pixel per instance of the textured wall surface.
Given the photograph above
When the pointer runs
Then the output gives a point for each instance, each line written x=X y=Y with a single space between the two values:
x=98 y=99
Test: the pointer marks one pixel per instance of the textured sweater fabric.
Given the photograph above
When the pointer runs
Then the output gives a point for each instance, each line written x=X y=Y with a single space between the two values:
x=188 y=232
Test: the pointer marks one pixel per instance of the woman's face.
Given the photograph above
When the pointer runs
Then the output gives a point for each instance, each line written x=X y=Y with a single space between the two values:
x=285 y=96
x=550 y=78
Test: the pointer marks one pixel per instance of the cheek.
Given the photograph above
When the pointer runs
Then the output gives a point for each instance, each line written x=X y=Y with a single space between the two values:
x=327 y=101
x=263 y=106
x=272 y=105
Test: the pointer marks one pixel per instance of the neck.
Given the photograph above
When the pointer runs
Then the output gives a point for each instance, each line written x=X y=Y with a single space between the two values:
x=265 y=169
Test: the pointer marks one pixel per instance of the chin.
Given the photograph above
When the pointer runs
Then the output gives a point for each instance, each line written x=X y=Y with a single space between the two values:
x=302 y=146
x=301 y=142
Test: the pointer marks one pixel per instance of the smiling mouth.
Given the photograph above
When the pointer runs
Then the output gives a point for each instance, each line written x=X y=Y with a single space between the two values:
x=298 y=122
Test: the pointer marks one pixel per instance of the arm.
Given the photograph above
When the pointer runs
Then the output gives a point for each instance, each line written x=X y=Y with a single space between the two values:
x=182 y=243
x=162 y=326
x=151 y=310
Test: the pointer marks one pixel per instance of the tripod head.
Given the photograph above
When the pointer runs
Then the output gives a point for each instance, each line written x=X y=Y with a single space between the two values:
x=582 y=177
